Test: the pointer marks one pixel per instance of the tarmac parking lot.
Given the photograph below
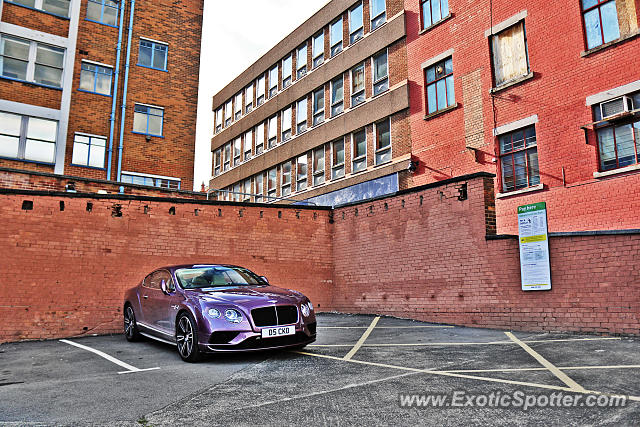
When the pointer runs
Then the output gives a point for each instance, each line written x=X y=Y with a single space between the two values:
x=363 y=370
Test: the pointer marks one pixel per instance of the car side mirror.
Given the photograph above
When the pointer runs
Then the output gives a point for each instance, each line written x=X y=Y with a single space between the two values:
x=264 y=278
x=163 y=286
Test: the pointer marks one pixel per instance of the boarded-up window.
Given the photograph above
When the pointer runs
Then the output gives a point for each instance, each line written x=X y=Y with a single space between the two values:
x=510 y=54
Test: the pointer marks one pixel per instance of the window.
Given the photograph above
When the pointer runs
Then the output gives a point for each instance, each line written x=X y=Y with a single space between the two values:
x=248 y=145
x=150 y=180
x=335 y=37
x=600 y=22
x=318 y=106
x=248 y=98
x=318 y=50
x=260 y=91
x=318 y=166
x=383 y=141
x=237 y=109
x=273 y=82
x=301 y=116
x=27 y=138
x=301 y=61
x=227 y=157
x=227 y=113
x=287 y=71
x=55 y=7
x=380 y=73
x=337 y=159
x=88 y=150
x=359 y=150
x=337 y=97
x=619 y=145
x=378 y=13
x=103 y=12
x=237 y=189
x=260 y=138
x=218 y=119
x=246 y=197
x=519 y=159
x=440 y=94
x=509 y=51
x=271 y=182
x=259 y=187
x=148 y=120
x=433 y=11
x=30 y=61
x=217 y=161
x=237 y=151
x=153 y=54
x=301 y=173
x=356 y=28
x=357 y=85
x=273 y=132
x=285 y=189
x=286 y=124
x=95 y=78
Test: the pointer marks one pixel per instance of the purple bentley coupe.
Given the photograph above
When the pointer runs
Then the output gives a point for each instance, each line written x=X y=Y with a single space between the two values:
x=207 y=308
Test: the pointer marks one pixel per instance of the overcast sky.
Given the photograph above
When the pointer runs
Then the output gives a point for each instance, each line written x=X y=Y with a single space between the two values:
x=235 y=34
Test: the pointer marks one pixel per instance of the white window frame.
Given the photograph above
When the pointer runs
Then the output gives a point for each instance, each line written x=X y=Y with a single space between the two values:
x=273 y=89
x=32 y=59
x=91 y=137
x=39 y=5
x=217 y=162
x=378 y=20
x=301 y=180
x=336 y=46
x=247 y=145
x=261 y=90
x=360 y=94
x=272 y=132
x=301 y=67
x=285 y=120
x=317 y=60
x=258 y=185
x=337 y=166
x=381 y=151
x=318 y=175
x=301 y=122
x=237 y=151
x=226 y=157
x=359 y=163
x=228 y=113
x=285 y=187
x=260 y=138
x=320 y=113
x=337 y=107
x=218 y=120
x=237 y=107
x=287 y=78
x=23 y=139
x=248 y=98
x=356 y=34
x=382 y=82
x=272 y=192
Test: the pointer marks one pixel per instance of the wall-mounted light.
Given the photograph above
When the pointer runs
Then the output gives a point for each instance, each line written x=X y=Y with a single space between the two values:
x=413 y=165
x=462 y=192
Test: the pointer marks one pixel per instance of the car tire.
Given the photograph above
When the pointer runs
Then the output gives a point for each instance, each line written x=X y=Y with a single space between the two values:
x=187 y=338
x=131 y=331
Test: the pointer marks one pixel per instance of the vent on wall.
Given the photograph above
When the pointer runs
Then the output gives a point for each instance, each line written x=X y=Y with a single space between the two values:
x=615 y=107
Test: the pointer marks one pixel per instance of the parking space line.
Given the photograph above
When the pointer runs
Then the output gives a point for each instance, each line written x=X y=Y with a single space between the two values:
x=544 y=362
x=129 y=368
x=319 y=393
x=473 y=377
x=562 y=368
x=362 y=339
x=440 y=344
x=386 y=327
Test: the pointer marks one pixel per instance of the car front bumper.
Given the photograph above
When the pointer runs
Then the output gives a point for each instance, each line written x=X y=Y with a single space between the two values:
x=253 y=341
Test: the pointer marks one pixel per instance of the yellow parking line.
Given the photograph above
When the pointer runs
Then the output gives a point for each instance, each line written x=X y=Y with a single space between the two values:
x=362 y=339
x=473 y=377
x=574 y=386
x=562 y=368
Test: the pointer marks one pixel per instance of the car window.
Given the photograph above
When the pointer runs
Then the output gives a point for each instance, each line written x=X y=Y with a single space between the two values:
x=166 y=276
x=152 y=281
x=204 y=277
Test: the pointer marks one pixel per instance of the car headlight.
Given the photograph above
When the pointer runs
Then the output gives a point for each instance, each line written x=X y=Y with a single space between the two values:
x=310 y=305
x=233 y=316
x=304 y=309
x=214 y=312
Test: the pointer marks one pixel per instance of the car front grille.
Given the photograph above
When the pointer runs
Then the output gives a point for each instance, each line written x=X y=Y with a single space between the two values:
x=256 y=343
x=275 y=315
x=222 y=337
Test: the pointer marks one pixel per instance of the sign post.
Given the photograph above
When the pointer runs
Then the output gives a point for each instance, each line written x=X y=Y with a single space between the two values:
x=535 y=269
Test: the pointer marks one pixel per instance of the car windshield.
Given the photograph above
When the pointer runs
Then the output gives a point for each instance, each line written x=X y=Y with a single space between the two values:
x=217 y=276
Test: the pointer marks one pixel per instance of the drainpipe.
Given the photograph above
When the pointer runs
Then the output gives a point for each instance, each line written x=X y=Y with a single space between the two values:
x=112 y=118
x=126 y=85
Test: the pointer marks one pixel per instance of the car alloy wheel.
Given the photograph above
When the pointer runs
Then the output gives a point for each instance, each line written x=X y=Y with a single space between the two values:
x=187 y=339
x=130 y=326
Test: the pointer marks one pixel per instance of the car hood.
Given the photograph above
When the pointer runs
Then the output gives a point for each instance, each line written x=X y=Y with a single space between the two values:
x=253 y=296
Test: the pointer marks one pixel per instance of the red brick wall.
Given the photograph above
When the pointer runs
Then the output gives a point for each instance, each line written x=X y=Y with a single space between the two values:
x=562 y=79
x=22 y=180
x=424 y=256
x=34 y=20
x=64 y=271
x=421 y=254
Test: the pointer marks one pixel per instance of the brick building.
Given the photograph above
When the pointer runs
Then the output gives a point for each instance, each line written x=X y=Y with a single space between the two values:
x=323 y=115
x=545 y=97
x=510 y=87
x=102 y=90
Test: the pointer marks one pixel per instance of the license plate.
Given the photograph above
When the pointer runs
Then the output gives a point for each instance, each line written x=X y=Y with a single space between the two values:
x=278 y=332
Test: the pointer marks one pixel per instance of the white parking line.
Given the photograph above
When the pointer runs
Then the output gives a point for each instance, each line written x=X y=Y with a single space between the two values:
x=129 y=368
x=544 y=362
x=386 y=327
x=440 y=344
x=362 y=339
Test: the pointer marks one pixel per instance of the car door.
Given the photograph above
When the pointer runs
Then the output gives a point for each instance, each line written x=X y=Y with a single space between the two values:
x=165 y=312
x=155 y=303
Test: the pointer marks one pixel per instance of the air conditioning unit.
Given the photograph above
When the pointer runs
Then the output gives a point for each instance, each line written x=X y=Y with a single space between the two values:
x=615 y=107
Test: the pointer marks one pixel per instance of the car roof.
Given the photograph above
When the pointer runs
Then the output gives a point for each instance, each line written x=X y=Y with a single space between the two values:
x=179 y=266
